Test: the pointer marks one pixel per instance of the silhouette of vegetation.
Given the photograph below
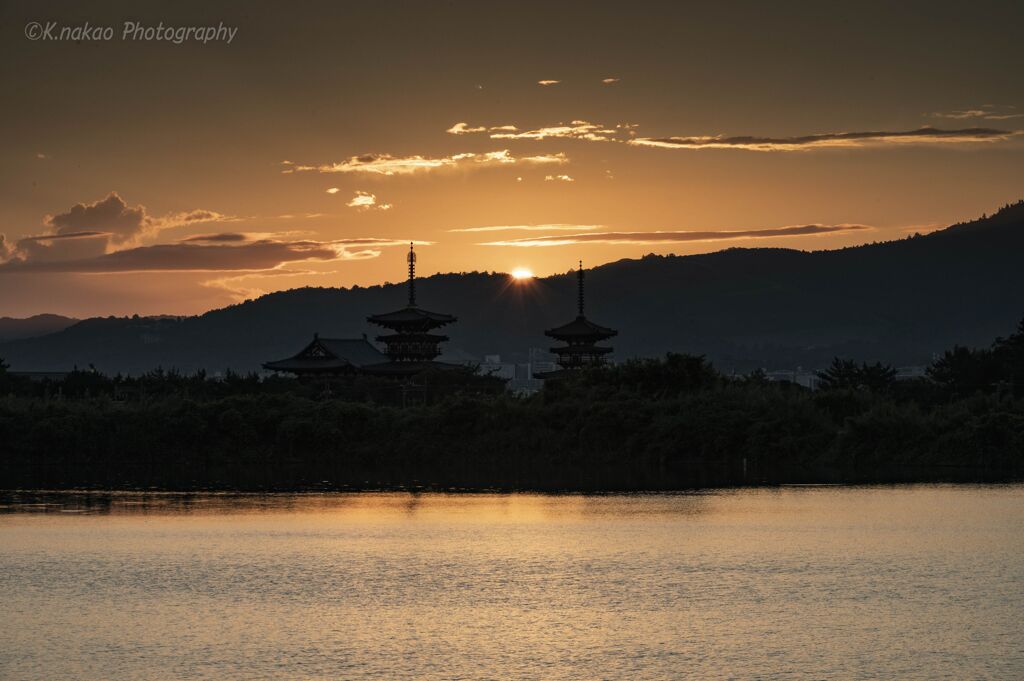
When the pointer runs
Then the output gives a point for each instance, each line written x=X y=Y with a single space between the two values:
x=847 y=375
x=642 y=425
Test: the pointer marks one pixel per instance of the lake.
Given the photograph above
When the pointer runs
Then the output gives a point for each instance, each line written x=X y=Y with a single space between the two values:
x=921 y=582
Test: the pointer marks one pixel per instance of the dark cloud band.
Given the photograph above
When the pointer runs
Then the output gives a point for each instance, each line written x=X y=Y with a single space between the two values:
x=837 y=140
x=673 y=237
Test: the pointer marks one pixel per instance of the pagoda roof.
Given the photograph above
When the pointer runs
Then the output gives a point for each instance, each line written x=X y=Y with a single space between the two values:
x=581 y=328
x=330 y=354
x=411 y=315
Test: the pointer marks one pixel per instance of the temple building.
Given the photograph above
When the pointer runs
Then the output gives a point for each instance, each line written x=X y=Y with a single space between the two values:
x=330 y=357
x=581 y=337
x=411 y=346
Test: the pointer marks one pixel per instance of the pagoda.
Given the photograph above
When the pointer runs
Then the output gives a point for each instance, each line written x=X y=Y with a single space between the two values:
x=411 y=346
x=581 y=337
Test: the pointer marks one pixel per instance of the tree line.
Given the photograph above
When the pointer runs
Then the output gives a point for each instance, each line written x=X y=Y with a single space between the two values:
x=648 y=424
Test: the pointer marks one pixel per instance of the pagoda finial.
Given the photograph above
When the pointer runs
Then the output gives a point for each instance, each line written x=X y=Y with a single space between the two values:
x=579 y=275
x=412 y=276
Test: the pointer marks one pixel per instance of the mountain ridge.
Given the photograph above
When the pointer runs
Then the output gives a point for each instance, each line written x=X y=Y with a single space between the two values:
x=897 y=301
x=14 y=328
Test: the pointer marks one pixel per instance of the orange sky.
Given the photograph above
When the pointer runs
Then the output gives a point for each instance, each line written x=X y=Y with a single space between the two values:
x=146 y=177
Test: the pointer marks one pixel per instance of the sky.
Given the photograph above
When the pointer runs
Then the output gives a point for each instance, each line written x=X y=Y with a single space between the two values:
x=147 y=176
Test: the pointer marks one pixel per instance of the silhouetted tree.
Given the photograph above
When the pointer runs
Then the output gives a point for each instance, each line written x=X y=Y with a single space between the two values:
x=756 y=377
x=1008 y=353
x=964 y=371
x=841 y=374
x=877 y=377
x=845 y=374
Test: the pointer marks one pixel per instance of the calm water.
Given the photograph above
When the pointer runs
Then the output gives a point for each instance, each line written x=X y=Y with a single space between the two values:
x=919 y=582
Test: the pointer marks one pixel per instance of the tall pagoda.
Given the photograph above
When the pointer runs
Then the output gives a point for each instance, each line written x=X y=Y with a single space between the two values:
x=581 y=337
x=411 y=346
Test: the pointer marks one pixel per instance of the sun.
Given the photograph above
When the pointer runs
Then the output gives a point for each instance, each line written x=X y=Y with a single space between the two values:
x=522 y=273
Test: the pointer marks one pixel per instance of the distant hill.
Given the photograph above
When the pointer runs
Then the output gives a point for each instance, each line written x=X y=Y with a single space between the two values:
x=38 y=325
x=898 y=302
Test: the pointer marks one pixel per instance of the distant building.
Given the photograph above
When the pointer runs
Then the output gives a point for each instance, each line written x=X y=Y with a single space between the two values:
x=493 y=366
x=798 y=376
x=541 y=362
x=581 y=338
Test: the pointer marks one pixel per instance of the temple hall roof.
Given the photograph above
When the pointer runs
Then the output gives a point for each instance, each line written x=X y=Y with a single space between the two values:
x=330 y=354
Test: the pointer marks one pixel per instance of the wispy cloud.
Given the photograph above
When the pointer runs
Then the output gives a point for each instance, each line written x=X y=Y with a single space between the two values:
x=556 y=227
x=333 y=190
x=626 y=132
x=65 y=235
x=609 y=81
x=222 y=237
x=466 y=129
x=548 y=82
x=558 y=178
x=837 y=140
x=577 y=129
x=367 y=201
x=673 y=237
x=386 y=164
x=988 y=112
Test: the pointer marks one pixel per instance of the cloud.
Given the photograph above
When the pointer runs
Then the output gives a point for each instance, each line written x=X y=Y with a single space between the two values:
x=88 y=230
x=333 y=190
x=58 y=247
x=836 y=140
x=367 y=201
x=111 y=215
x=673 y=237
x=465 y=129
x=987 y=112
x=577 y=129
x=557 y=227
x=609 y=81
x=548 y=82
x=626 y=132
x=558 y=178
x=223 y=237
x=122 y=223
x=386 y=164
x=191 y=217
x=212 y=253
x=68 y=235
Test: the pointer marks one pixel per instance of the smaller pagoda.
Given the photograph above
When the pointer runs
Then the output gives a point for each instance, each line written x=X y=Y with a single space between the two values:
x=581 y=337
x=411 y=346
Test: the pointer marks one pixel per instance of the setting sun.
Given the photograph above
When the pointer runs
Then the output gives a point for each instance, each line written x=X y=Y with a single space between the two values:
x=521 y=273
